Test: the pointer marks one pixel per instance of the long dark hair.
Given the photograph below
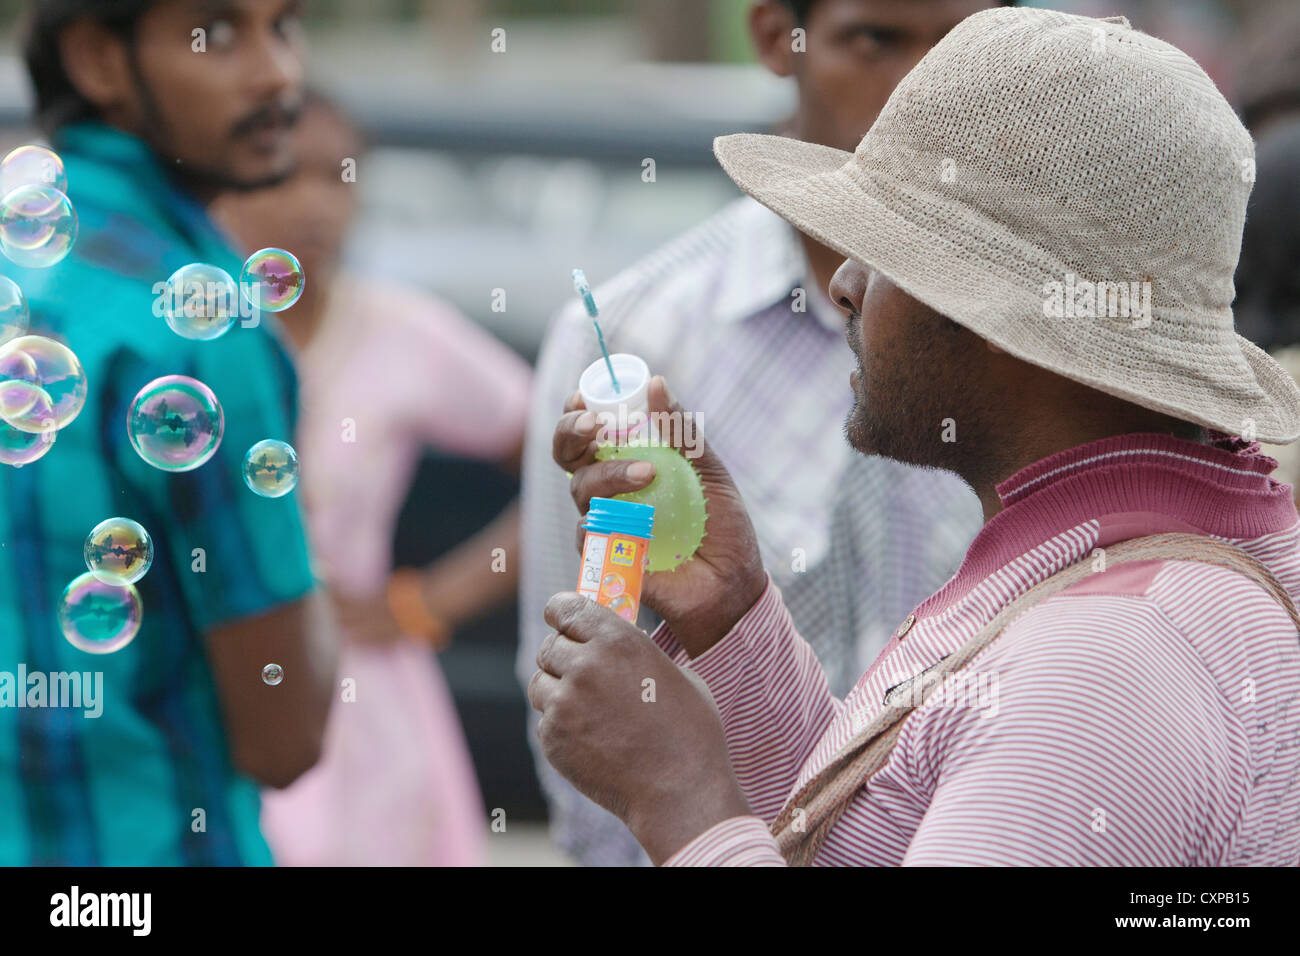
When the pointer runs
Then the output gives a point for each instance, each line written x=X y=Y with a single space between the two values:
x=57 y=100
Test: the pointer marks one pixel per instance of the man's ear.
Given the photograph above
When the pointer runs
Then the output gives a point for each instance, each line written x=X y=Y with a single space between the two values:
x=95 y=60
x=771 y=26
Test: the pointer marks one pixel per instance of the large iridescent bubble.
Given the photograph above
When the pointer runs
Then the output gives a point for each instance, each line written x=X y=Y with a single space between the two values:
x=272 y=279
x=175 y=423
x=98 y=617
x=202 y=301
x=51 y=365
x=271 y=468
x=14 y=314
x=118 y=551
x=37 y=226
x=32 y=166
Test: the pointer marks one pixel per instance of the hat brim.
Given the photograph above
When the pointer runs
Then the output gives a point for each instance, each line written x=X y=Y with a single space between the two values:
x=1230 y=385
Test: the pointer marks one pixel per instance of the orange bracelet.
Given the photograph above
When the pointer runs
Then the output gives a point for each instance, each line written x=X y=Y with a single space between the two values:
x=407 y=605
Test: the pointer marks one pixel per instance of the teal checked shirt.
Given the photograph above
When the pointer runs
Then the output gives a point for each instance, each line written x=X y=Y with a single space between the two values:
x=150 y=780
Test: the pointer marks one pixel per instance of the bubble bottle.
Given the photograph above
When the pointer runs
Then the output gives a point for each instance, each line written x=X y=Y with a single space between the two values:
x=615 y=554
x=617 y=389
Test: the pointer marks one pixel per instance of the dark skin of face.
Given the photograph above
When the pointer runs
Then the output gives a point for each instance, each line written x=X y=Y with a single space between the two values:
x=223 y=117
x=856 y=52
x=917 y=369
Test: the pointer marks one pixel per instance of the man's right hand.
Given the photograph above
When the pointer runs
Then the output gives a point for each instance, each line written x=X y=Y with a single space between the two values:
x=706 y=595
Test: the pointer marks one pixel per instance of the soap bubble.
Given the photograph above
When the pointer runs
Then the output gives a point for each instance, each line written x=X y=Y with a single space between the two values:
x=272 y=674
x=37 y=226
x=98 y=617
x=14 y=314
x=118 y=551
x=56 y=370
x=272 y=279
x=202 y=301
x=613 y=585
x=20 y=448
x=32 y=166
x=678 y=499
x=271 y=468
x=175 y=423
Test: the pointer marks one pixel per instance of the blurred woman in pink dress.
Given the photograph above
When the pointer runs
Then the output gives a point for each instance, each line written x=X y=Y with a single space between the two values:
x=384 y=373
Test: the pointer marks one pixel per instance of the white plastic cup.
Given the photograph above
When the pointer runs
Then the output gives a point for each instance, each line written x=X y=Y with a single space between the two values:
x=624 y=414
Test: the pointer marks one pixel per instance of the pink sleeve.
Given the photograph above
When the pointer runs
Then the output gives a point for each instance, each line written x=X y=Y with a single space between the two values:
x=473 y=399
x=740 y=841
x=771 y=694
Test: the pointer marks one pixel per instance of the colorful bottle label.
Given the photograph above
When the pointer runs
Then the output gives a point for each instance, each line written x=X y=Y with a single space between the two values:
x=612 y=568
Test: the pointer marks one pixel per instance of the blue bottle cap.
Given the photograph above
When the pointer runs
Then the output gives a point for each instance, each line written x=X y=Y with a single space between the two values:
x=611 y=516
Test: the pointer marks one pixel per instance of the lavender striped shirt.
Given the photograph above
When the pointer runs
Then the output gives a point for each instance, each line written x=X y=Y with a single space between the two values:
x=1149 y=715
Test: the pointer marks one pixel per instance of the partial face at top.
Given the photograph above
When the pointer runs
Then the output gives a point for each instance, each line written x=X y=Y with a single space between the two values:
x=214 y=84
x=857 y=51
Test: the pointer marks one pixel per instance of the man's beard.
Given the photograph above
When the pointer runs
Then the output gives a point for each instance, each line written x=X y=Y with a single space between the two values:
x=921 y=408
x=199 y=179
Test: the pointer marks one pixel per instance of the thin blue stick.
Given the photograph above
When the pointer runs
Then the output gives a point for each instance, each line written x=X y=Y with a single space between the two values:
x=584 y=290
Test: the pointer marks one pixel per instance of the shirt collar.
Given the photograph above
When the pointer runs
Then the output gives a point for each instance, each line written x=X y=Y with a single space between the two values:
x=99 y=141
x=1130 y=485
x=764 y=265
x=150 y=190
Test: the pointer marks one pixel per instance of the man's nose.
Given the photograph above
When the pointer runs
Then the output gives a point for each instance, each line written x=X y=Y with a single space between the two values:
x=849 y=286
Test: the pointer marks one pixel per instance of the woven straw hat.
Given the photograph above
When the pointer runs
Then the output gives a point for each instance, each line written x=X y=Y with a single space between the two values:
x=1030 y=156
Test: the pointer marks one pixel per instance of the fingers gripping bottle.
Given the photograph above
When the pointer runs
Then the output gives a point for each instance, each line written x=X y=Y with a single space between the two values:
x=615 y=553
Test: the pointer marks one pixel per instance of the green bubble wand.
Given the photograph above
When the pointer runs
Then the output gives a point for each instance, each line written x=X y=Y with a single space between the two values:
x=583 y=289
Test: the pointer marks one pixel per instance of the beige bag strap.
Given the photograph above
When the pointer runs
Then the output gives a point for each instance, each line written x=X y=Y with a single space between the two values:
x=809 y=815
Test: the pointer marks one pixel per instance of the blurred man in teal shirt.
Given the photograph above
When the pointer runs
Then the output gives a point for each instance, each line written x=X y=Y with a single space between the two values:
x=155 y=107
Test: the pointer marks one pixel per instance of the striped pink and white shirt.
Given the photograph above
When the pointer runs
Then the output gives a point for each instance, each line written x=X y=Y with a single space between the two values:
x=1149 y=715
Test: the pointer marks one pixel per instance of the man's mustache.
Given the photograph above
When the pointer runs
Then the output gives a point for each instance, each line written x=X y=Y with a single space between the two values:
x=283 y=115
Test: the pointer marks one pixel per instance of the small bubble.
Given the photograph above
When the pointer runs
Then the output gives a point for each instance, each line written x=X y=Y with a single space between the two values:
x=202 y=301
x=271 y=468
x=37 y=226
x=175 y=423
x=20 y=448
x=98 y=617
x=118 y=551
x=272 y=279
x=272 y=674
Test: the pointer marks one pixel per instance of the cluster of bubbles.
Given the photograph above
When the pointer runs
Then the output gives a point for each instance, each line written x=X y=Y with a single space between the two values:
x=100 y=611
x=37 y=222
x=42 y=389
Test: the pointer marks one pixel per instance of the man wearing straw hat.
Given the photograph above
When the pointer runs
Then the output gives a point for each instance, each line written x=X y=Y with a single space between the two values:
x=1041 y=231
